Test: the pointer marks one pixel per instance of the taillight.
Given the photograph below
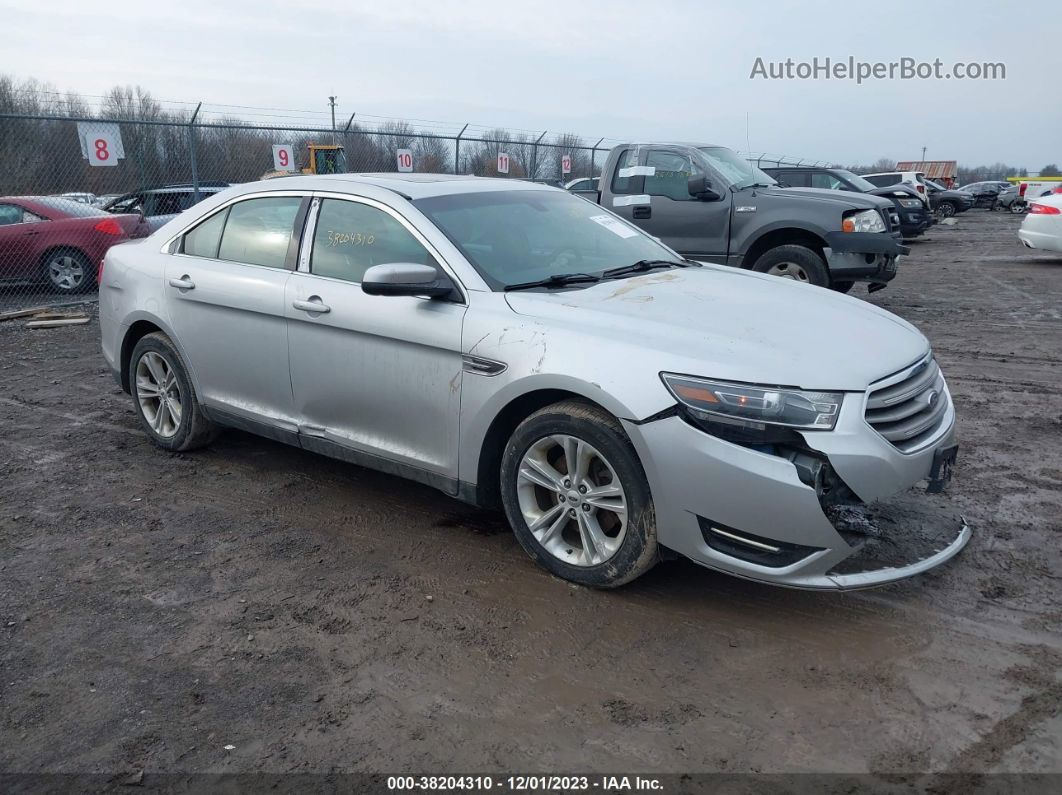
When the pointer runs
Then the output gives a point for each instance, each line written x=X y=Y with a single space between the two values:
x=1021 y=190
x=1043 y=209
x=109 y=227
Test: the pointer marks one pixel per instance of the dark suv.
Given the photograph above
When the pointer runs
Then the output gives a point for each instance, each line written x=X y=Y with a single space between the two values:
x=911 y=212
x=161 y=204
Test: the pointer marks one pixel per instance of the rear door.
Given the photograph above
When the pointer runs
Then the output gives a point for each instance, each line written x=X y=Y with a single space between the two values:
x=225 y=300
x=377 y=375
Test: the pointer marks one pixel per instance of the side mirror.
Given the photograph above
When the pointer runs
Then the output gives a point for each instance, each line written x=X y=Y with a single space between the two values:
x=406 y=278
x=700 y=189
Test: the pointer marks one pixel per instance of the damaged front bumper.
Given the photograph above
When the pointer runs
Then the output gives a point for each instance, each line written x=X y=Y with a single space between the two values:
x=863 y=256
x=855 y=522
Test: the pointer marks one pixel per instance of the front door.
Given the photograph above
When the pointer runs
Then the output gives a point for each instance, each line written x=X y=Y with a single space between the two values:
x=380 y=375
x=225 y=294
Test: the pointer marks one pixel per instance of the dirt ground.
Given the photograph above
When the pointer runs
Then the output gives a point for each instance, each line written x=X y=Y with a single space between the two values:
x=253 y=607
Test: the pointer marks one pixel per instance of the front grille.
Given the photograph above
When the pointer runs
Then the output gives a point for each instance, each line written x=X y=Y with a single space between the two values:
x=909 y=408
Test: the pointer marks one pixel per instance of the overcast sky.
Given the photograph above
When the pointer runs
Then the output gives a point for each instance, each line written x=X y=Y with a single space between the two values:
x=660 y=70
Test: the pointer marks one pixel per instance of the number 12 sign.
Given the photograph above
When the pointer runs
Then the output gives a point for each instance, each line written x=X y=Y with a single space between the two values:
x=566 y=164
x=283 y=157
x=405 y=159
x=503 y=163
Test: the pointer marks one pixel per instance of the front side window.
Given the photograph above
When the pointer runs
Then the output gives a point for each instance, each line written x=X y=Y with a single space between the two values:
x=671 y=175
x=258 y=231
x=351 y=237
x=10 y=214
x=736 y=170
x=627 y=159
x=821 y=179
x=517 y=236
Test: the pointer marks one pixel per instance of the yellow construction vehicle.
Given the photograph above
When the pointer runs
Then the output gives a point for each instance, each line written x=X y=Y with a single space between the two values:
x=320 y=159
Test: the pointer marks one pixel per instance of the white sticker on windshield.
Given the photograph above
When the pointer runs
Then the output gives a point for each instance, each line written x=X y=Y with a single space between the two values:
x=613 y=225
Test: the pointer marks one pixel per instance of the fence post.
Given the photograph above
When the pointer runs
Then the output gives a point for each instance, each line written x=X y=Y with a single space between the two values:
x=191 y=153
x=593 y=158
x=534 y=156
x=457 y=150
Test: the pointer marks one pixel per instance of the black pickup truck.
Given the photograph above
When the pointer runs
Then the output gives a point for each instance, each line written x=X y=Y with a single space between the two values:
x=710 y=204
x=913 y=216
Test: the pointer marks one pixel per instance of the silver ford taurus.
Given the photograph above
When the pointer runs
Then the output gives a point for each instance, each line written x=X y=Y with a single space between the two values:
x=517 y=346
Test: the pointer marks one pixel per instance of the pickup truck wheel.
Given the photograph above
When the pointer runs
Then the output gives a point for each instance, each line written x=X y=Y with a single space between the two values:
x=164 y=397
x=577 y=496
x=794 y=262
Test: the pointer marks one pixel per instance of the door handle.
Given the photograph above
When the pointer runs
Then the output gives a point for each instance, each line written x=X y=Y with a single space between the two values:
x=643 y=212
x=315 y=304
x=31 y=232
x=184 y=283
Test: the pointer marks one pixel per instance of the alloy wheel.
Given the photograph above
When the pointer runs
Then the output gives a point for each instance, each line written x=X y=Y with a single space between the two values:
x=66 y=272
x=572 y=500
x=159 y=394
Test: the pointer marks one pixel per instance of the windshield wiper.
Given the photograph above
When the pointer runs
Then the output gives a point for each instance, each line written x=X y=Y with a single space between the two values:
x=556 y=280
x=643 y=265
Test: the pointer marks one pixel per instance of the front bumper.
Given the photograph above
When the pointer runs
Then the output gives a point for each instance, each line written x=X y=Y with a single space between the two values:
x=914 y=222
x=697 y=480
x=863 y=256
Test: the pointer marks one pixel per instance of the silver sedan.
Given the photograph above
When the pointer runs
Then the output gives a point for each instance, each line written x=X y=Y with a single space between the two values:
x=517 y=346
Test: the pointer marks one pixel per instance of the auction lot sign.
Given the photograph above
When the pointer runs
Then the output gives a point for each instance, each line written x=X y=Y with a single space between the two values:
x=101 y=142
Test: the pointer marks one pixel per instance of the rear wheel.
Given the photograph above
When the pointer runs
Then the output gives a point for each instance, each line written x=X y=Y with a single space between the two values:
x=68 y=271
x=946 y=209
x=577 y=497
x=164 y=397
x=798 y=263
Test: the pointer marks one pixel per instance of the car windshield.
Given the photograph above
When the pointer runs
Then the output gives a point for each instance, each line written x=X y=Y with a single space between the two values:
x=856 y=180
x=519 y=236
x=736 y=170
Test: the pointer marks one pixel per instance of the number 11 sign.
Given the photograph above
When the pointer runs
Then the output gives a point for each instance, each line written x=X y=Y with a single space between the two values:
x=503 y=163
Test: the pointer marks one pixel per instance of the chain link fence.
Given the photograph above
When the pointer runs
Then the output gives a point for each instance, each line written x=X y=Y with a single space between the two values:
x=73 y=186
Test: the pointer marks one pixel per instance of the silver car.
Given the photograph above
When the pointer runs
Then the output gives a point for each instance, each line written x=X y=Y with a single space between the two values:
x=514 y=345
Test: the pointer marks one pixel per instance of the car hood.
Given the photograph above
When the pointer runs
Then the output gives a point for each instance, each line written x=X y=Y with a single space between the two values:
x=730 y=324
x=847 y=198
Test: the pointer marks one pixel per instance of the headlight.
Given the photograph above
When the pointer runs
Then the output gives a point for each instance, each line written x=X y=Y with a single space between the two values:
x=863 y=221
x=910 y=203
x=755 y=406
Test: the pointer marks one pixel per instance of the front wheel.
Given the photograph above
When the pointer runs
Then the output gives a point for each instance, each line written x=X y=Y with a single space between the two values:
x=946 y=210
x=798 y=263
x=1017 y=207
x=577 y=497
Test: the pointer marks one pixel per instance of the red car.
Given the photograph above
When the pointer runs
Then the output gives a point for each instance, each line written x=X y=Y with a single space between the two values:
x=59 y=241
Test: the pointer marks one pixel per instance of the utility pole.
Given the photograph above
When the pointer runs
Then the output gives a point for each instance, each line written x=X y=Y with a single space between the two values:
x=332 y=102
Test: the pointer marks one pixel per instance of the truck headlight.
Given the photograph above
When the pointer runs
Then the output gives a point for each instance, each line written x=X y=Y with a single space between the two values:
x=911 y=203
x=755 y=406
x=863 y=221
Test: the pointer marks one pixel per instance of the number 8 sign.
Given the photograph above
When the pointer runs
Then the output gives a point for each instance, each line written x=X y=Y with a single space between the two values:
x=101 y=143
x=102 y=151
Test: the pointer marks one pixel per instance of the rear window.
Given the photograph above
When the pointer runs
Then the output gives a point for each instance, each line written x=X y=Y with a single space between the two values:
x=258 y=231
x=204 y=240
x=67 y=207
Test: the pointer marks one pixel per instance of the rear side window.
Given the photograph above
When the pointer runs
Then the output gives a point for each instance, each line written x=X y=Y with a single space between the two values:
x=258 y=231
x=204 y=240
x=351 y=237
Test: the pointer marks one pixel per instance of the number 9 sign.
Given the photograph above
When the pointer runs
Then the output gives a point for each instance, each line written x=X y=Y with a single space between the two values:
x=283 y=157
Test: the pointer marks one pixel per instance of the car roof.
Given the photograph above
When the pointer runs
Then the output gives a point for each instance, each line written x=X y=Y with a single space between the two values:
x=411 y=186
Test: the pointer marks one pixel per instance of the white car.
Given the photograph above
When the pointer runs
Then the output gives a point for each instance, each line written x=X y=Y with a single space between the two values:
x=1042 y=227
x=916 y=179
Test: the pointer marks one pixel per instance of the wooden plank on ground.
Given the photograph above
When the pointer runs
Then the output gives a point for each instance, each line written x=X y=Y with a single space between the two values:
x=69 y=321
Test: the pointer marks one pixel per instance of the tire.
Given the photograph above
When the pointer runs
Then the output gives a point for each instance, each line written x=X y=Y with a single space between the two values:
x=67 y=270
x=842 y=286
x=622 y=544
x=155 y=360
x=1017 y=207
x=946 y=209
x=794 y=262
